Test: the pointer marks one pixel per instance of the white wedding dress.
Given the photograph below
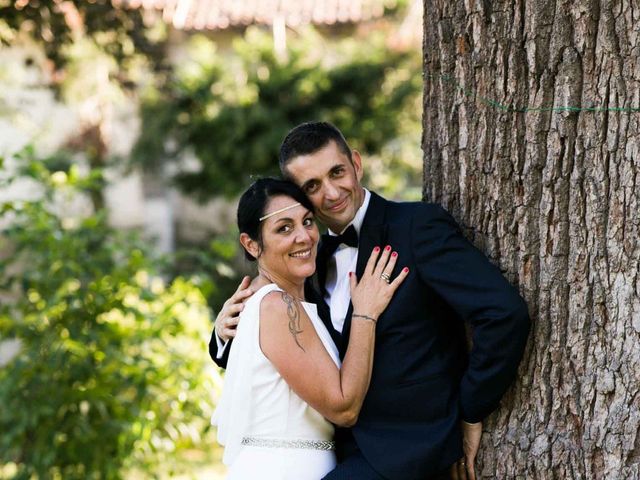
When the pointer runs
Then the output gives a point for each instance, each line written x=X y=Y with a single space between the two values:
x=268 y=431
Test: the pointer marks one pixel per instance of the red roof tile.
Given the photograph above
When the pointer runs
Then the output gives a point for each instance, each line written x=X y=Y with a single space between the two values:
x=220 y=14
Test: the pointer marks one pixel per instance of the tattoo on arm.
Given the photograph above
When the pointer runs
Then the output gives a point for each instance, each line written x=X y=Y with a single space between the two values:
x=294 y=317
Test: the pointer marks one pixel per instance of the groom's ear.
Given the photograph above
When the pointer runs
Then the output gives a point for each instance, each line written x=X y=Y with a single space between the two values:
x=250 y=245
x=356 y=160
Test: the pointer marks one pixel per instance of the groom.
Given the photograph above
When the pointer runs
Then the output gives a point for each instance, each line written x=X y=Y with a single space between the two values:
x=427 y=396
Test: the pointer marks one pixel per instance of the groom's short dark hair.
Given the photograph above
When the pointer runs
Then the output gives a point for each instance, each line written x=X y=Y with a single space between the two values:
x=308 y=138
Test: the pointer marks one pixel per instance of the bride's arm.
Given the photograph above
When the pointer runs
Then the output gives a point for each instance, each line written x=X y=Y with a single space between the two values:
x=289 y=341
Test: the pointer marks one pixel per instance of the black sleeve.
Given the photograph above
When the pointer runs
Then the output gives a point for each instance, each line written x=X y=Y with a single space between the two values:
x=213 y=351
x=480 y=295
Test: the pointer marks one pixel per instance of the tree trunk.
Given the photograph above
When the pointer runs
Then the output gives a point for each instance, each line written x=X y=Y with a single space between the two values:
x=552 y=195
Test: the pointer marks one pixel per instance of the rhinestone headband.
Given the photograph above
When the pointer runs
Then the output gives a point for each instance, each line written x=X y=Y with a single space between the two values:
x=278 y=211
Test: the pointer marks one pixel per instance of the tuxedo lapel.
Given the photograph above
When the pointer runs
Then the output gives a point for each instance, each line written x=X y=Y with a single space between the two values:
x=372 y=233
x=315 y=290
x=321 y=268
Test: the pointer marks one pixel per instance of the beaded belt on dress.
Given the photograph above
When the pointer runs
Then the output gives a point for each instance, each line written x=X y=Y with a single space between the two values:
x=289 y=443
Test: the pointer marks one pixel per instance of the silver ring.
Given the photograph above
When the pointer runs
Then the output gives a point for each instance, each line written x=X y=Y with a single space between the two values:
x=385 y=277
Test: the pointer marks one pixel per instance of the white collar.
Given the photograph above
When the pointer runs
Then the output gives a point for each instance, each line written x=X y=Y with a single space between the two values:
x=359 y=216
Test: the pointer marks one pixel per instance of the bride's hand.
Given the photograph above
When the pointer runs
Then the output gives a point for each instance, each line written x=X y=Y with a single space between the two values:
x=371 y=295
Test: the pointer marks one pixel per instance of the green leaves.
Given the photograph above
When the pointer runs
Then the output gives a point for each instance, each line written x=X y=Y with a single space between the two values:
x=113 y=370
x=119 y=32
x=233 y=111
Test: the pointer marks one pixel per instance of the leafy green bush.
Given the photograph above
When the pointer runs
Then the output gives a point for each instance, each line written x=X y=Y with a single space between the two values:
x=232 y=110
x=113 y=371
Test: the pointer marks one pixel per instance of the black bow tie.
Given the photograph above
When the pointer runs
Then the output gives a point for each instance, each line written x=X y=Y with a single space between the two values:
x=330 y=243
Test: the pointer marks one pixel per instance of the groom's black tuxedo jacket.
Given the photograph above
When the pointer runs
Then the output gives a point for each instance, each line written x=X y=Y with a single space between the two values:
x=424 y=381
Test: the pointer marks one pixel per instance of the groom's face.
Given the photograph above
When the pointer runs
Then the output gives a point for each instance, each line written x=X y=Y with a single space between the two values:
x=332 y=183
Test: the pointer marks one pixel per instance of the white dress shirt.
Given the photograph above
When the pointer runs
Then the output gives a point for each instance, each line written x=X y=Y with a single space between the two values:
x=344 y=260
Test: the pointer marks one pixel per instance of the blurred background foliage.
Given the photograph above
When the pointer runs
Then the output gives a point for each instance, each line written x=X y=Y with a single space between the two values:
x=110 y=376
x=233 y=111
x=57 y=25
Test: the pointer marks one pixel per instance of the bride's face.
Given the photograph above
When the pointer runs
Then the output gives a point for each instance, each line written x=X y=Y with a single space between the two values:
x=289 y=240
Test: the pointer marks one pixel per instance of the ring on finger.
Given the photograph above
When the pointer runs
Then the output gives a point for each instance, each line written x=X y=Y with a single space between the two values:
x=385 y=277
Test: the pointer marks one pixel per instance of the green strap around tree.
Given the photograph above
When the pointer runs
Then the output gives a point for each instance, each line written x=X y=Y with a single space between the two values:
x=508 y=108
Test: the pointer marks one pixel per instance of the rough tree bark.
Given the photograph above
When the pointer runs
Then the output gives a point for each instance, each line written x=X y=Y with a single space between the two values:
x=552 y=196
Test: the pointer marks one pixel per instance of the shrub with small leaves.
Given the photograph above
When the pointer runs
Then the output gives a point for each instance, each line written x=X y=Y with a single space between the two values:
x=112 y=371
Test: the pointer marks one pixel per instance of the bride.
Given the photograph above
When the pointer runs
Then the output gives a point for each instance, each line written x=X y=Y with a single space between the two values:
x=285 y=387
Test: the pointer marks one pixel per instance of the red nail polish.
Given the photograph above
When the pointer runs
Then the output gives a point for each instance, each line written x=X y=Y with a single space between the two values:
x=377 y=249
x=387 y=248
x=350 y=273
x=406 y=269
x=394 y=254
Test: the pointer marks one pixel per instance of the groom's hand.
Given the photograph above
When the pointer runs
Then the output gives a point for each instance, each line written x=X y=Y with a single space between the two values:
x=464 y=469
x=227 y=319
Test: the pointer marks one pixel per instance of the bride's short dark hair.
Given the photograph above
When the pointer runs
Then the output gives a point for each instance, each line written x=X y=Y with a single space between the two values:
x=253 y=203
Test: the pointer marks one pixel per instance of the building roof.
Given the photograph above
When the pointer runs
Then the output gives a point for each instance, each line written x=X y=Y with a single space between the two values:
x=221 y=14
